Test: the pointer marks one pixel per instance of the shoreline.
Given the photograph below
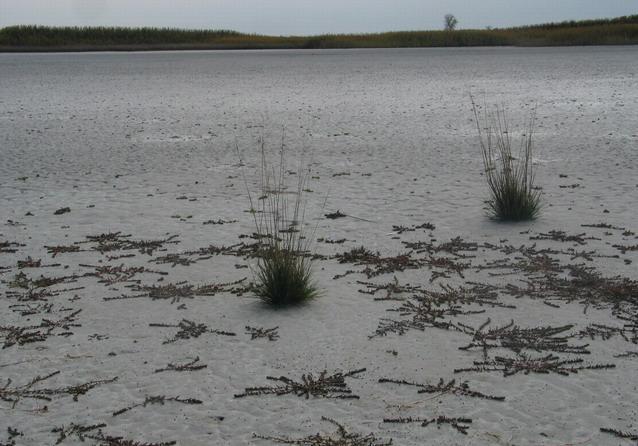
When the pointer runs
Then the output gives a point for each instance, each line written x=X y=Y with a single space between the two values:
x=205 y=47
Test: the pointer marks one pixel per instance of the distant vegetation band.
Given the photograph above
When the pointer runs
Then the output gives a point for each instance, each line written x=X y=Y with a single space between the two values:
x=617 y=31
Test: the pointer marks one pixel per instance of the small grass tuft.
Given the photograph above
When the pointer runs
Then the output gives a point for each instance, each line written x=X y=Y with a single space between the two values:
x=283 y=275
x=513 y=196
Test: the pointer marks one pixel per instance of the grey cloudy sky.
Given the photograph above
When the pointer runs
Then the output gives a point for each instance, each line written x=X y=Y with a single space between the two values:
x=306 y=16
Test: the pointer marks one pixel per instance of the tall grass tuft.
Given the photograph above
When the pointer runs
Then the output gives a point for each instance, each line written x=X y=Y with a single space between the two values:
x=283 y=275
x=510 y=179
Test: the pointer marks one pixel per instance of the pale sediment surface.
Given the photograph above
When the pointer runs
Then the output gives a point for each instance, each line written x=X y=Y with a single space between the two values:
x=144 y=144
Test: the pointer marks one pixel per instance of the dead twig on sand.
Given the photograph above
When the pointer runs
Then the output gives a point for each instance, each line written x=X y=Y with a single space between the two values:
x=181 y=290
x=340 y=438
x=392 y=289
x=561 y=236
x=460 y=424
x=513 y=337
x=527 y=364
x=324 y=386
x=110 y=275
x=269 y=333
x=450 y=387
x=187 y=367
x=37 y=333
x=83 y=432
x=620 y=434
x=15 y=394
x=116 y=241
x=7 y=247
x=189 y=329
x=78 y=430
x=159 y=399
x=376 y=265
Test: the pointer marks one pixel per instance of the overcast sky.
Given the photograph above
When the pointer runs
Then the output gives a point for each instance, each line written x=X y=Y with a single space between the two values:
x=306 y=16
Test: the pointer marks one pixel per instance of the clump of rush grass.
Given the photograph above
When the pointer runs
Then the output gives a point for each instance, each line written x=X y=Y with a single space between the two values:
x=283 y=275
x=510 y=179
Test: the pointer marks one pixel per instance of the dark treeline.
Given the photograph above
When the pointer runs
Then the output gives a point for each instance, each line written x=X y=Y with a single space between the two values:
x=617 y=31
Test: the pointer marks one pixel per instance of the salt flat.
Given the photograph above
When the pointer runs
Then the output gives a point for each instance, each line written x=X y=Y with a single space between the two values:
x=141 y=149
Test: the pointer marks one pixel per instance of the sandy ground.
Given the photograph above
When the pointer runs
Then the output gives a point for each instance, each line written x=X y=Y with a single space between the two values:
x=135 y=158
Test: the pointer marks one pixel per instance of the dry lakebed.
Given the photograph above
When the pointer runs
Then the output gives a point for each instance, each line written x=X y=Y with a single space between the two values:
x=127 y=250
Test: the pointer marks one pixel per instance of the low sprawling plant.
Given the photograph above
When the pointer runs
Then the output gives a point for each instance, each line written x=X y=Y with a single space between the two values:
x=510 y=179
x=283 y=275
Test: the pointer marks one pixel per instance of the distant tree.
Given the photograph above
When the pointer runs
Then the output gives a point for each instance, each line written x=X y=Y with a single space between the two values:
x=450 y=22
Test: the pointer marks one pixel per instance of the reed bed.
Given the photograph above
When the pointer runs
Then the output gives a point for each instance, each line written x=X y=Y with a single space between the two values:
x=621 y=30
